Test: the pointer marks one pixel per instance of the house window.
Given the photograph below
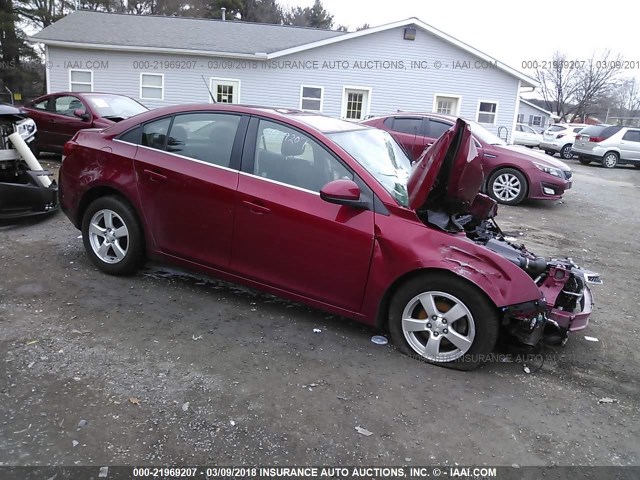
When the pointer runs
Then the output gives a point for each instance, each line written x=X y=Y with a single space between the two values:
x=311 y=98
x=446 y=104
x=151 y=86
x=520 y=118
x=80 y=80
x=355 y=103
x=535 y=120
x=487 y=112
x=225 y=90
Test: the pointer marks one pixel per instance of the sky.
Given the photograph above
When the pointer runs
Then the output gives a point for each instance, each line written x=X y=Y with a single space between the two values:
x=512 y=32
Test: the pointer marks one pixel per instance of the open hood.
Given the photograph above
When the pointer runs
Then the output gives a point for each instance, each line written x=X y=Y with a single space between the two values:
x=448 y=175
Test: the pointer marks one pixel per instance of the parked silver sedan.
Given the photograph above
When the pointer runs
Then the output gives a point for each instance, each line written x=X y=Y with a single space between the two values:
x=608 y=145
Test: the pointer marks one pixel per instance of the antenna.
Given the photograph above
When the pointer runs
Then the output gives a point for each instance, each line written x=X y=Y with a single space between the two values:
x=208 y=89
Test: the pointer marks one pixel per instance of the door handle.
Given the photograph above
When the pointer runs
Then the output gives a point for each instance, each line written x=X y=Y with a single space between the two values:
x=256 y=207
x=155 y=176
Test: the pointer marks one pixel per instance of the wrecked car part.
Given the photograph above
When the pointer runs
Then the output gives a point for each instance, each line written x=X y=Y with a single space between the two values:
x=25 y=188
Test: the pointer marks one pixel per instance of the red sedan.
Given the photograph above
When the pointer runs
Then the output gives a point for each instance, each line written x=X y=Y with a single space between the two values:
x=321 y=211
x=59 y=116
x=513 y=173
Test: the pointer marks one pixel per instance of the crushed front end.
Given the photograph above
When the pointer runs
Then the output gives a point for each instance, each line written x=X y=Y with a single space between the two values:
x=24 y=191
x=565 y=302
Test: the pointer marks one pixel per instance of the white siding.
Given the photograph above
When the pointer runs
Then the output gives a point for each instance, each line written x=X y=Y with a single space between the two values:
x=392 y=89
x=528 y=111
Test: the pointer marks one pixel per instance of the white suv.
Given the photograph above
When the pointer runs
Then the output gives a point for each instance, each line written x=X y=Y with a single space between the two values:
x=559 y=138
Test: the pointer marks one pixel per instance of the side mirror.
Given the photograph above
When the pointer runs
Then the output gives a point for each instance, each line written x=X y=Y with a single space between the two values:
x=81 y=113
x=343 y=192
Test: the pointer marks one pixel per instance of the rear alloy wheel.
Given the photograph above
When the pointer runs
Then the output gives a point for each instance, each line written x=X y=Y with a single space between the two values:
x=112 y=236
x=610 y=160
x=584 y=161
x=565 y=152
x=443 y=320
x=507 y=186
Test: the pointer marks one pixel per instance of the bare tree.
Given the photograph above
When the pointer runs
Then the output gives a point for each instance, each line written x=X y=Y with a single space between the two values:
x=571 y=88
x=628 y=95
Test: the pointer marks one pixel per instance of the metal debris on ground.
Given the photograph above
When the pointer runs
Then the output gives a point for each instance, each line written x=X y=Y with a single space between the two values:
x=199 y=337
x=526 y=369
x=31 y=342
x=363 y=431
x=104 y=472
x=185 y=406
x=317 y=330
x=379 y=340
x=75 y=443
x=591 y=339
x=608 y=400
x=82 y=423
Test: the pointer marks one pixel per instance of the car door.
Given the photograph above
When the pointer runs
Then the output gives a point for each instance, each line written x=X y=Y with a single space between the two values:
x=187 y=174
x=408 y=131
x=63 y=123
x=40 y=112
x=285 y=235
x=630 y=145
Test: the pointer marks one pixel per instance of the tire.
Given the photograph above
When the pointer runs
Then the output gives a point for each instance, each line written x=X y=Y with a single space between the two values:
x=507 y=186
x=584 y=161
x=565 y=152
x=610 y=160
x=550 y=152
x=475 y=330
x=122 y=251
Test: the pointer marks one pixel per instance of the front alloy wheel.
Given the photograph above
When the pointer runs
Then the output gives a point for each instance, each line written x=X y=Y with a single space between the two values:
x=443 y=320
x=508 y=186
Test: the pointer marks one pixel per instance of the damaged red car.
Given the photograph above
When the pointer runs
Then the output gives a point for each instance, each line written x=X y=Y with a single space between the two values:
x=324 y=212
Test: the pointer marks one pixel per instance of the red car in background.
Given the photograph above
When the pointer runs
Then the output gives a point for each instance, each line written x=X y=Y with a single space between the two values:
x=512 y=173
x=325 y=212
x=59 y=116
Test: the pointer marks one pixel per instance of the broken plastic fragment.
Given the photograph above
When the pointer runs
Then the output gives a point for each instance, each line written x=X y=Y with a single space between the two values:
x=363 y=431
x=134 y=401
x=317 y=330
x=31 y=342
x=104 y=472
x=379 y=340
x=591 y=339
x=527 y=369
x=185 y=406
x=608 y=400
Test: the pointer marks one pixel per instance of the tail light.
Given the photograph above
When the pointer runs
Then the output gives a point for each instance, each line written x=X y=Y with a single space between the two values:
x=69 y=147
x=560 y=135
x=596 y=139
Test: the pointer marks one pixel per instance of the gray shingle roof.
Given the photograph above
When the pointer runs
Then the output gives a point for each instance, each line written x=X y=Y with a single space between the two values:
x=179 y=33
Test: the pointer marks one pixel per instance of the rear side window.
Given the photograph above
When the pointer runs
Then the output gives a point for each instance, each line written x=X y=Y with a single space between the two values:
x=132 y=136
x=632 y=136
x=436 y=128
x=40 y=105
x=411 y=126
x=154 y=134
x=207 y=137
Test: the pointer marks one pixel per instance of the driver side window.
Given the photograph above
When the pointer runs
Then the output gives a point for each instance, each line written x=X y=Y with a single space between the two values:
x=67 y=104
x=288 y=156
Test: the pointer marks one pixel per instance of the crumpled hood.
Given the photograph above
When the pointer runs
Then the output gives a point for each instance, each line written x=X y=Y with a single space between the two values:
x=528 y=154
x=448 y=175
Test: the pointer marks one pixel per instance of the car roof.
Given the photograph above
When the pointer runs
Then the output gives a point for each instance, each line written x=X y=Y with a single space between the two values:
x=317 y=121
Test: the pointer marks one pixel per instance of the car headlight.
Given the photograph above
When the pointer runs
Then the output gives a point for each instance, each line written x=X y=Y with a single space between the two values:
x=26 y=128
x=556 y=172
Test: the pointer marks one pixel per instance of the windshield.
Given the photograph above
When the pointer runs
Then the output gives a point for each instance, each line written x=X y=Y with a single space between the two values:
x=379 y=153
x=115 y=106
x=484 y=135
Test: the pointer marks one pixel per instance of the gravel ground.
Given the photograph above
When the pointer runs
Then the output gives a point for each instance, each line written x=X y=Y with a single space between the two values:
x=168 y=368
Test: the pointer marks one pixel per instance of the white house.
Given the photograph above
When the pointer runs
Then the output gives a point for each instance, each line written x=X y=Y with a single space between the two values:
x=536 y=117
x=406 y=65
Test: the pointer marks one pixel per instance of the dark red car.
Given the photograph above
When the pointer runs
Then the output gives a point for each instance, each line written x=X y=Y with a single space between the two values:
x=59 y=116
x=513 y=173
x=324 y=212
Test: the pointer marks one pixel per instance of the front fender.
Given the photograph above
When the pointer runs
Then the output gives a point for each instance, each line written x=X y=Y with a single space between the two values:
x=419 y=248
